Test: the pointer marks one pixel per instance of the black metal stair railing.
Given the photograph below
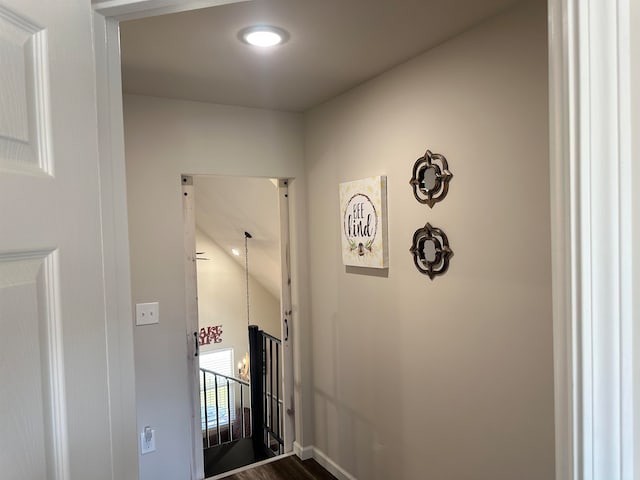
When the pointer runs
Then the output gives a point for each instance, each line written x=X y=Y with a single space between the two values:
x=266 y=391
x=224 y=415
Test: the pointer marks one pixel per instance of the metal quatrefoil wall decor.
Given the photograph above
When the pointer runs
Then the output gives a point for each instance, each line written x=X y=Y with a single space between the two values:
x=431 y=251
x=431 y=177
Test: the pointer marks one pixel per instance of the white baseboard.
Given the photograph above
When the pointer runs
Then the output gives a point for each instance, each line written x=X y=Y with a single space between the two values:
x=304 y=453
x=331 y=466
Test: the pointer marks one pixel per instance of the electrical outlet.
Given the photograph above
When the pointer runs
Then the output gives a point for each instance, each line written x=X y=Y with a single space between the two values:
x=147 y=313
x=147 y=441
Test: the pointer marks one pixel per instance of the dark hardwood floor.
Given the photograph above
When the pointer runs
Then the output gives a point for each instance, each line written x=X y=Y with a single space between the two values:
x=288 y=468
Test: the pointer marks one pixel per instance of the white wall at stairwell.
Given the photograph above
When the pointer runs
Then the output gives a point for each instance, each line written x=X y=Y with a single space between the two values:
x=222 y=299
x=164 y=139
x=450 y=378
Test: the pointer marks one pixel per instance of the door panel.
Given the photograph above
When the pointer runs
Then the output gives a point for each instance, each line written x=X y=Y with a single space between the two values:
x=24 y=90
x=55 y=415
x=32 y=444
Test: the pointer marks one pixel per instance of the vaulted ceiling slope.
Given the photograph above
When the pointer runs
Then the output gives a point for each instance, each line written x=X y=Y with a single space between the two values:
x=334 y=46
x=226 y=207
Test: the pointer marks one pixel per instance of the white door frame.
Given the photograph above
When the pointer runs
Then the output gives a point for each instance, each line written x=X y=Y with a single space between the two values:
x=288 y=391
x=191 y=286
x=591 y=238
x=115 y=230
x=591 y=200
x=192 y=322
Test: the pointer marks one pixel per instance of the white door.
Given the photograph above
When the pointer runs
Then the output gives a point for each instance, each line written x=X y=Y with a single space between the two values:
x=54 y=410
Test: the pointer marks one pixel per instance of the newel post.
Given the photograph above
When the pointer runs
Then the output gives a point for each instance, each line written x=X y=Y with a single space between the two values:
x=255 y=368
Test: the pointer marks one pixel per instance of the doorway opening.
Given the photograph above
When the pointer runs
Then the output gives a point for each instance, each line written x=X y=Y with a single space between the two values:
x=236 y=260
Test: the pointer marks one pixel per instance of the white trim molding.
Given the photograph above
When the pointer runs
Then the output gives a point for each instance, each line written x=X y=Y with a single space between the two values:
x=332 y=467
x=134 y=9
x=115 y=246
x=634 y=29
x=592 y=251
x=304 y=453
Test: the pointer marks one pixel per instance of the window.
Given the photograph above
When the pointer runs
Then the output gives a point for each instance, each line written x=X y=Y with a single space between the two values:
x=220 y=362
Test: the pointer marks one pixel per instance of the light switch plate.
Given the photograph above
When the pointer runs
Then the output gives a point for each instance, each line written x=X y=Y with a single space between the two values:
x=147 y=313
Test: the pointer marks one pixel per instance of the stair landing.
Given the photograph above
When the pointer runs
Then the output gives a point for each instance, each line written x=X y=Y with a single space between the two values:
x=229 y=456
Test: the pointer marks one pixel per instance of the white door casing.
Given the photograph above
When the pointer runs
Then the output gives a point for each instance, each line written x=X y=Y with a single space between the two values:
x=56 y=420
x=288 y=397
x=591 y=185
x=191 y=290
x=189 y=216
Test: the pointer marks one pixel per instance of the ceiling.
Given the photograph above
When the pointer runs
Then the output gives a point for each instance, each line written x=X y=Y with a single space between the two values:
x=334 y=46
x=226 y=207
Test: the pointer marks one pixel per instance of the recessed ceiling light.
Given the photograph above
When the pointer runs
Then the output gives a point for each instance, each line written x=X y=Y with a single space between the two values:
x=263 y=36
x=235 y=251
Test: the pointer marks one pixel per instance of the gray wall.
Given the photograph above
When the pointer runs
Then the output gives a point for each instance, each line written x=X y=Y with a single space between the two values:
x=164 y=139
x=451 y=378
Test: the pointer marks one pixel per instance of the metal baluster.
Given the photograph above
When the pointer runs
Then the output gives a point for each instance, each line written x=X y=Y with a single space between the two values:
x=215 y=378
x=252 y=414
x=229 y=413
x=278 y=395
x=271 y=426
x=231 y=382
x=241 y=412
x=265 y=435
x=206 y=414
